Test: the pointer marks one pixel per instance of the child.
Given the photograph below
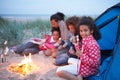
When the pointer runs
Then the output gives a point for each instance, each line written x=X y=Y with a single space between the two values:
x=89 y=53
x=62 y=58
x=71 y=23
x=37 y=45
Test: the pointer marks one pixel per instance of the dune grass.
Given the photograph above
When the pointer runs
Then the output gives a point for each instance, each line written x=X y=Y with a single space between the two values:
x=17 y=32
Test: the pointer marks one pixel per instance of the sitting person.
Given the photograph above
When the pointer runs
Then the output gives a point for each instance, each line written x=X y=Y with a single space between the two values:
x=57 y=22
x=89 y=53
x=62 y=55
x=35 y=45
x=71 y=23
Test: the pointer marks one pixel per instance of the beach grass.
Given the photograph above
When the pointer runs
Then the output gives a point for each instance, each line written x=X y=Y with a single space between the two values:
x=18 y=32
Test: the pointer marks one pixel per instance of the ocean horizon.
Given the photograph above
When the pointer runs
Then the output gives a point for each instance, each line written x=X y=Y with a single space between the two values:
x=32 y=17
x=25 y=17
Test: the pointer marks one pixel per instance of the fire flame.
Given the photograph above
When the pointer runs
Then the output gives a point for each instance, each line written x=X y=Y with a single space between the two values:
x=24 y=68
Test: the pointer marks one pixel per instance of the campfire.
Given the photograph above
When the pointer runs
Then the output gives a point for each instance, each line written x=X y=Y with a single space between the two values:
x=24 y=68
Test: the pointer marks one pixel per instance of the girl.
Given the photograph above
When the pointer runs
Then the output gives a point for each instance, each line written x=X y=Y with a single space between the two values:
x=62 y=58
x=37 y=45
x=89 y=53
x=71 y=23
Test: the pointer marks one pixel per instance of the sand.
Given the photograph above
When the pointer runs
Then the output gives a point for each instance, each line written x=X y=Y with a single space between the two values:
x=46 y=68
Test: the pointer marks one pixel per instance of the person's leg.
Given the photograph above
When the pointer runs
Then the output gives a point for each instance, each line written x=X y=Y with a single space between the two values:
x=61 y=59
x=33 y=50
x=67 y=75
x=20 y=49
x=69 y=71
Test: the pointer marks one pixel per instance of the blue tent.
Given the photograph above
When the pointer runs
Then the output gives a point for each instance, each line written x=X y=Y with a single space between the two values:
x=109 y=25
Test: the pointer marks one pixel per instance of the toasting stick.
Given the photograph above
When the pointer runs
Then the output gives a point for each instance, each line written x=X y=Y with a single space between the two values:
x=4 y=52
x=77 y=37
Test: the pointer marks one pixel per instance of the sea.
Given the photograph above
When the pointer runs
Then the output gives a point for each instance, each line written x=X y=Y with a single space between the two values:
x=32 y=17
x=25 y=17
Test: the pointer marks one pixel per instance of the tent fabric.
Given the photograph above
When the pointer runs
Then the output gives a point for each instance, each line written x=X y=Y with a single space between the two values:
x=109 y=69
x=108 y=25
x=113 y=72
x=103 y=70
x=115 y=6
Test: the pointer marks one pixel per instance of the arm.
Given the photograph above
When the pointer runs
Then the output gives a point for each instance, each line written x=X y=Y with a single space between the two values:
x=64 y=30
x=92 y=56
x=71 y=50
x=42 y=41
x=78 y=49
x=49 y=46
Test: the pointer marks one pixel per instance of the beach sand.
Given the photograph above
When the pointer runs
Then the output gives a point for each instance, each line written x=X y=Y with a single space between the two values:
x=45 y=64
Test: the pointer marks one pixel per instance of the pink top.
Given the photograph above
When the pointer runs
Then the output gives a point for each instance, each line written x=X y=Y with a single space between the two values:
x=49 y=44
x=90 y=58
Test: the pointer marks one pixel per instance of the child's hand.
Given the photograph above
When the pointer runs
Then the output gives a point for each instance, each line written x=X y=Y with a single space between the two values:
x=78 y=53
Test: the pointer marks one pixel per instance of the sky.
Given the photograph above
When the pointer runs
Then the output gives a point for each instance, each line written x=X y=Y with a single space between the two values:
x=68 y=7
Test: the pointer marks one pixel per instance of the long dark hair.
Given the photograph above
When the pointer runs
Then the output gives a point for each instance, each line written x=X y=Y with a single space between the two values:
x=73 y=20
x=91 y=25
x=57 y=16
